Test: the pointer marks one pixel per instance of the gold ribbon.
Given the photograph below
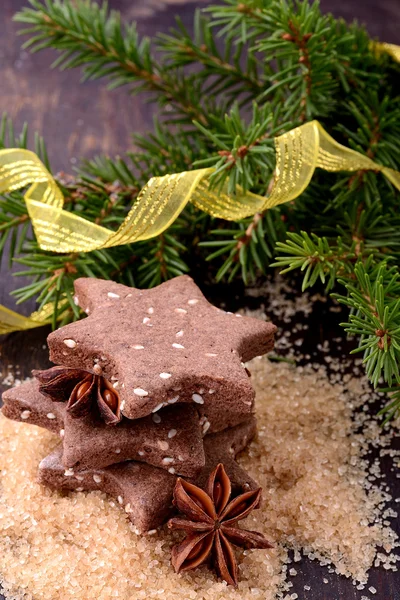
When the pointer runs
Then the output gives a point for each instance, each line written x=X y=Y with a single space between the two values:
x=298 y=153
x=12 y=321
x=391 y=49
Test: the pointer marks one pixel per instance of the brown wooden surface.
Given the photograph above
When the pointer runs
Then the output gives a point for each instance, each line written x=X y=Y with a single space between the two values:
x=85 y=120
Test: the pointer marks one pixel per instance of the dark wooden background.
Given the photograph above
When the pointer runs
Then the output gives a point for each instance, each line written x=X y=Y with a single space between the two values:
x=84 y=120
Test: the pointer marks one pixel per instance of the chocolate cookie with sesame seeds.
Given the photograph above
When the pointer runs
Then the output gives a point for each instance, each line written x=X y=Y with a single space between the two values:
x=164 y=346
x=145 y=492
x=172 y=439
x=26 y=404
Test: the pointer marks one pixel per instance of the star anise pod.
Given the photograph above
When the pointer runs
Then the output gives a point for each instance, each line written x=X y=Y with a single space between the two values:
x=82 y=391
x=212 y=525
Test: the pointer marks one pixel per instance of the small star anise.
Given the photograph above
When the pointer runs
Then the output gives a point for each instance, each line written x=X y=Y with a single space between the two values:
x=81 y=390
x=212 y=525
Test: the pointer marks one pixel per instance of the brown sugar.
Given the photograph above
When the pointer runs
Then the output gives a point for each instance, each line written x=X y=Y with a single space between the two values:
x=318 y=499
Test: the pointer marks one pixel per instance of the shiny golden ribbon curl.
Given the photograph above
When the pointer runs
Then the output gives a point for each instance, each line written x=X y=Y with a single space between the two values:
x=391 y=49
x=298 y=153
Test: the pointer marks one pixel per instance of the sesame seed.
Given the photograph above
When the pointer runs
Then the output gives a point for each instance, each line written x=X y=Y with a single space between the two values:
x=171 y=470
x=115 y=384
x=51 y=416
x=163 y=445
x=181 y=311
x=141 y=453
x=146 y=321
x=165 y=375
x=178 y=346
x=117 y=451
x=138 y=347
x=156 y=418
x=120 y=500
x=173 y=400
x=79 y=489
x=79 y=477
x=70 y=343
x=152 y=532
x=179 y=333
x=112 y=295
x=197 y=398
x=62 y=432
x=97 y=370
x=210 y=354
x=69 y=473
x=211 y=391
x=25 y=414
x=97 y=478
x=157 y=408
x=206 y=426
x=128 y=508
x=172 y=433
x=193 y=301
x=167 y=460
x=150 y=310
x=140 y=392
x=76 y=301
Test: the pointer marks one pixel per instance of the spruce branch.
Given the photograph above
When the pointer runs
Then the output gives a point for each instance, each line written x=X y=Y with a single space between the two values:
x=244 y=151
x=247 y=248
x=91 y=38
x=234 y=68
x=391 y=410
x=317 y=258
x=14 y=218
x=374 y=298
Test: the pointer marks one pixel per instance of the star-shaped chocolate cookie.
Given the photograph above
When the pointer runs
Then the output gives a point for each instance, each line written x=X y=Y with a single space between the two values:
x=171 y=440
x=26 y=404
x=164 y=346
x=146 y=492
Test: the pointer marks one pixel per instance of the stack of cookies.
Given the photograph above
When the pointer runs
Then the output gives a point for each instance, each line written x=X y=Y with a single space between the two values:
x=150 y=386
